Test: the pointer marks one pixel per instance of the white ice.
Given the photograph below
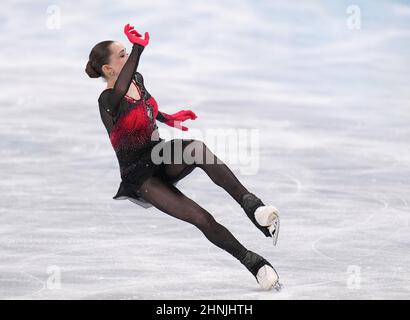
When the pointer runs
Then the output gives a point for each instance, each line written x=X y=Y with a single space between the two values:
x=330 y=104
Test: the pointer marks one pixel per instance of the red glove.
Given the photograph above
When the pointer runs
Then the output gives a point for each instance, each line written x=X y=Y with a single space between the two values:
x=176 y=118
x=134 y=36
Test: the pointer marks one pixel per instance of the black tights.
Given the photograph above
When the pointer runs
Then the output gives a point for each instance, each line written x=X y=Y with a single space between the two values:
x=169 y=199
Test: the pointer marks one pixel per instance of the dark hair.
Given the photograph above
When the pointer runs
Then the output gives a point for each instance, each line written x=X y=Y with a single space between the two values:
x=99 y=56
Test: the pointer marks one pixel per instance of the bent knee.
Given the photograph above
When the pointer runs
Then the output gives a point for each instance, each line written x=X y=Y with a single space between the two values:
x=204 y=221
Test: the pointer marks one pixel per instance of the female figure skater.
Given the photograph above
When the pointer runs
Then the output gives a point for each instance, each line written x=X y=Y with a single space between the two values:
x=129 y=114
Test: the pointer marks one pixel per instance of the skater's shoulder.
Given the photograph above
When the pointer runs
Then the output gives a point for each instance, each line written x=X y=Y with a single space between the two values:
x=104 y=94
x=138 y=76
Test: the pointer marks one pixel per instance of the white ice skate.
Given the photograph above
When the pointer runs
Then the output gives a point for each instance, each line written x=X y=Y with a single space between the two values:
x=268 y=278
x=268 y=216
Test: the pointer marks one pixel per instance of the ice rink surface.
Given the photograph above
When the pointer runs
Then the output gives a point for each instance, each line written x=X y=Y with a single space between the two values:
x=330 y=105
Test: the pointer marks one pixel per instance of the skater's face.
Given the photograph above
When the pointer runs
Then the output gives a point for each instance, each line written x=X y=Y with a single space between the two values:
x=118 y=57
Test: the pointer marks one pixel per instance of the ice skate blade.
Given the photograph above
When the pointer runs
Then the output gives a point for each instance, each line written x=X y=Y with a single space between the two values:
x=266 y=215
x=274 y=231
x=278 y=286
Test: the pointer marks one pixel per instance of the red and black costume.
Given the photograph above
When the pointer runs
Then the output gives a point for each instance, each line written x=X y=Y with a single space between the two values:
x=130 y=125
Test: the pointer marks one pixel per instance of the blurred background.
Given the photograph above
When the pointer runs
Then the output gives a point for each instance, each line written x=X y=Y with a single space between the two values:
x=324 y=83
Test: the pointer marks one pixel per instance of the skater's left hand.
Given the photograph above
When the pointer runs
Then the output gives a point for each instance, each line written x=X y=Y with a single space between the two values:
x=135 y=37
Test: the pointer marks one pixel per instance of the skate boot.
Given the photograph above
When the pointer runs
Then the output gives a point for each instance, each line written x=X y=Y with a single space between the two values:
x=262 y=270
x=265 y=218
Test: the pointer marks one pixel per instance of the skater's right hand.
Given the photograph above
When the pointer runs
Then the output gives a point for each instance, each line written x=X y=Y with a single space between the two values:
x=134 y=36
x=174 y=120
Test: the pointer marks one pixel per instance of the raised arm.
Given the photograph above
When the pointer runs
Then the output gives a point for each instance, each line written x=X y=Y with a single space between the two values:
x=125 y=77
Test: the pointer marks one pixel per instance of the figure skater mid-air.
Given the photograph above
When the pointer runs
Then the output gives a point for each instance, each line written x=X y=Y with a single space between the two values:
x=129 y=113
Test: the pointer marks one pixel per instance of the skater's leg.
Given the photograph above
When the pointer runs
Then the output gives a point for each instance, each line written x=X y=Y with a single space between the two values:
x=217 y=170
x=197 y=154
x=172 y=201
x=194 y=153
x=224 y=177
x=167 y=198
x=177 y=171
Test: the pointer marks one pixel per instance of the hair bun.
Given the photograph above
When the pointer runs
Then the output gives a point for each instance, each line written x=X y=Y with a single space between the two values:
x=92 y=73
